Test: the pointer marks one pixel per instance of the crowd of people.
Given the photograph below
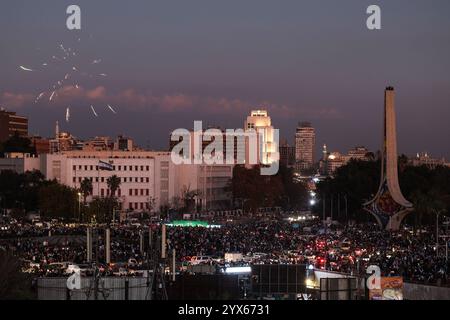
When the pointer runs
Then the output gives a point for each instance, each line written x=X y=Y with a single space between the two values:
x=348 y=249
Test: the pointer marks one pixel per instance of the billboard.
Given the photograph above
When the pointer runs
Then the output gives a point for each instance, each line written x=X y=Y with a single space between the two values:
x=391 y=288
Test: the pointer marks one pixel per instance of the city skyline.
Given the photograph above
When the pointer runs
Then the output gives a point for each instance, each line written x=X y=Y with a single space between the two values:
x=168 y=70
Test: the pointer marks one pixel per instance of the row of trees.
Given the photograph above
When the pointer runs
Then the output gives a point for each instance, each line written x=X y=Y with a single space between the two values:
x=251 y=190
x=17 y=143
x=23 y=193
x=427 y=188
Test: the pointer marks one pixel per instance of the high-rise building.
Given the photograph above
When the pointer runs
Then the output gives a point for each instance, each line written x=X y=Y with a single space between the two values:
x=287 y=154
x=305 y=139
x=11 y=123
x=260 y=121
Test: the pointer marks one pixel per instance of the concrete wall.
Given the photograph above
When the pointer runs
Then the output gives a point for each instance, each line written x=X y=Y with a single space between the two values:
x=413 y=291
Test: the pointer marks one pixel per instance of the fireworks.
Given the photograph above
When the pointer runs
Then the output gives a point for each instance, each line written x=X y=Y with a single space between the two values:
x=73 y=68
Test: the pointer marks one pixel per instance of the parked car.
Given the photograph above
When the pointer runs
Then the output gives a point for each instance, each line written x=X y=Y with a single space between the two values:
x=200 y=260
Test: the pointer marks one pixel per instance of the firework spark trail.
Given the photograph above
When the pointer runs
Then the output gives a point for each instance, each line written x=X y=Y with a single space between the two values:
x=39 y=97
x=63 y=60
x=25 y=69
x=93 y=110
x=111 y=108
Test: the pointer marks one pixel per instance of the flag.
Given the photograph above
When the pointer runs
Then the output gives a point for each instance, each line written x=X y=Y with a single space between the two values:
x=105 y=166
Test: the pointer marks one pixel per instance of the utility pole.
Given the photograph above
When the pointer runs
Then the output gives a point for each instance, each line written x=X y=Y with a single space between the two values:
x=108 y=245
x=173 y=265
x=437 y=234
x=346 y=208
x=331 y=207
x=324 y=204
x=89 y=244
x=339 y=206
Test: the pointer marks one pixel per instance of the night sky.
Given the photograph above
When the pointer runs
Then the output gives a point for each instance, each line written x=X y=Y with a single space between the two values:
x=169 y=63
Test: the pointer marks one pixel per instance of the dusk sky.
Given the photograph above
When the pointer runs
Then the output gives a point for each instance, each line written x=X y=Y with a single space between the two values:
x=169 y=63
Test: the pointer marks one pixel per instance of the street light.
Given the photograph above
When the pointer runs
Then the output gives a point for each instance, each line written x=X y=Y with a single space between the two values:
x=79 y=206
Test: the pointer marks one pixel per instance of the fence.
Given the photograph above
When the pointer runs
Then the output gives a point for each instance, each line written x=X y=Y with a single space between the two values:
x=112 y=288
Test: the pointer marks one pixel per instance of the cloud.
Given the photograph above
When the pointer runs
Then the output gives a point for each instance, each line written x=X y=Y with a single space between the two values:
x=15 y=100
x=138 y=101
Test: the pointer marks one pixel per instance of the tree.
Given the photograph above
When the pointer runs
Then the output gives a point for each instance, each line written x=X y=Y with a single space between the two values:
x=57 y=201
x=426 y=187
x=86 y=188
x=113 y=183
x=188 y=197
x=20 y=191
x=255 y=190
x=151 y=203
x=13 y=283
x=427 y=206
x=17 y=143
x=100 y=209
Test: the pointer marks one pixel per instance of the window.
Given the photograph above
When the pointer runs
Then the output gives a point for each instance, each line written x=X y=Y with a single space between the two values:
x=120 y=168
x=142 y=180
x=142 y=192
x=136 y=168
x=103 y=179
x=147 y=168
x=85 y=168
x=142 y=168
x=136 y=192
x=147 y=192
x=102 y=192
x=130 y=192
x=92 y=168
x=164 y=185
x=74 y=179
x=130 y=206
x=136 y=179
x=131 y=168
x=147 y=179
x=74 y=168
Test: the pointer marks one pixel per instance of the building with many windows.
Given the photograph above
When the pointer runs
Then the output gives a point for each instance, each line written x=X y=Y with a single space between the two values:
x=305 y=140
x=11 y=123
x=266 y=142
x=147 y=178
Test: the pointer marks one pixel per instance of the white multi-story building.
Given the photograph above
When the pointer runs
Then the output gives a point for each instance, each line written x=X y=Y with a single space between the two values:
x=267 y=148
x=146 y=177
x=19 y=162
